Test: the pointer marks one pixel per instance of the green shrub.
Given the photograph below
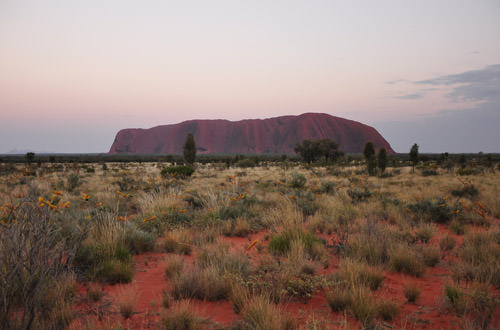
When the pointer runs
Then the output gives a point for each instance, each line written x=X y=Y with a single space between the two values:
x=246 y=163
x=280 y=244
x=436 y=211
x=302 y=287
x=139 y=241
x=358 y=195
x=181 y=171
x=298 y=180
x=456 y=297
x=115 y=271
x=468 y=190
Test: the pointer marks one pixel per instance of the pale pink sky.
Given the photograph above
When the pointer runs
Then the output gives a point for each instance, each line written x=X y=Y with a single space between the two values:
x=74 y=72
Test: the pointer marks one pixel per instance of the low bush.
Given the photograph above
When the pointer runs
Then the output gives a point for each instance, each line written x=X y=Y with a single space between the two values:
x=387 y=309
x=139 y=241
x=298 y=180
x=433 y=210
x=468 y=190
x=431 y=256
x=181 y=171
x=455 y=297
x=425 y=231
x=339 y=299
x=412 y=292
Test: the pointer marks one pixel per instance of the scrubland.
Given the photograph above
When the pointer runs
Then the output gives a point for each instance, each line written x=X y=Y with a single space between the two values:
x=125 y=245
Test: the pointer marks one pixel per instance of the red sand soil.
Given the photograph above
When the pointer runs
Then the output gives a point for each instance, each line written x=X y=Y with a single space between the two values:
x=150 y=281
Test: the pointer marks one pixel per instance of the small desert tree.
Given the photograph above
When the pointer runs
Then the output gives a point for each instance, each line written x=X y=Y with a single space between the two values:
x=30 y=156
x=316 y=149
x=189 y=149
x=371 y=162
x=382 y=159
x=308 y=150
x=414 y=156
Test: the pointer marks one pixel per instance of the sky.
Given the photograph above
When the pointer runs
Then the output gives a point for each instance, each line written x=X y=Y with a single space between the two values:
x=73 y=73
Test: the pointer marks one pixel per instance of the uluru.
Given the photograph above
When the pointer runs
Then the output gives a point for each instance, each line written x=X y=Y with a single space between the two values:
x=251 y=136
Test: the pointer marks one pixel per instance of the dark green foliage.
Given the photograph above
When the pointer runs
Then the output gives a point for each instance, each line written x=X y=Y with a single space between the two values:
x=369 y=150
x=371 y=160
x=30 y=156
x=139 y=241
x=181 y=171
x=382 y=159
x=429 y=172
x=189 y=150
x=246 y=163
x=311 y=151
x=435 y=211
x=106 y=263
x=414 y=155
x=467 y=190
x=358 y=195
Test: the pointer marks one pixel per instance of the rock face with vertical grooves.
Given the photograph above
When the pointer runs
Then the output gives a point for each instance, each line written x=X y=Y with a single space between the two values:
x=252 y=136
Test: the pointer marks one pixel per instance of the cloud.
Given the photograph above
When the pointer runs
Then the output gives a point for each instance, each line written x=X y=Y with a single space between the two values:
x=414 y=96
x=475 y=85
x=468 y=130
x=396 y=81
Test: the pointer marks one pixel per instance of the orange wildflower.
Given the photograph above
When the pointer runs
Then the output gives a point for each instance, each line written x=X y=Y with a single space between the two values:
x=252 y=244
x=150 y=218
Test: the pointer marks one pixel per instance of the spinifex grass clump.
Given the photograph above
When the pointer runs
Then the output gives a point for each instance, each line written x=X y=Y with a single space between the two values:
x=479 y=256
x=281 y=243
x=404 y=259
x=357 y=273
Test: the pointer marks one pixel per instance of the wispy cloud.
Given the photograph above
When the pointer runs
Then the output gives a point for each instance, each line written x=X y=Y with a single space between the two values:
x=475 y=85
x=396 y=81
x=413 y=96
x=465 y=130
